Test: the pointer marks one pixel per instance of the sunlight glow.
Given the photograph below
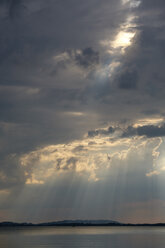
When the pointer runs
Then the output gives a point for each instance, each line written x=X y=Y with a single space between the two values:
x=92 y=158
x=123 y=39
x=148 y=121
x=33 y=180
x=75 y=113
x=133 y=3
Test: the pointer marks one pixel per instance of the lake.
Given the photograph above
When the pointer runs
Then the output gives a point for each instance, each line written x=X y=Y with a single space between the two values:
x=82 y=237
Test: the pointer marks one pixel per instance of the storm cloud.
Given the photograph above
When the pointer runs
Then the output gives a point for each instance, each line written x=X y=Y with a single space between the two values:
x=81 y=95
x=149 y=131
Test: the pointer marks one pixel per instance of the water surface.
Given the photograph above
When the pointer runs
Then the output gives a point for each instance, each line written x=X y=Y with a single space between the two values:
x=82 y=237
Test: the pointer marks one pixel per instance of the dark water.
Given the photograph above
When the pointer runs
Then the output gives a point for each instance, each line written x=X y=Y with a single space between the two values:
x=83 y=237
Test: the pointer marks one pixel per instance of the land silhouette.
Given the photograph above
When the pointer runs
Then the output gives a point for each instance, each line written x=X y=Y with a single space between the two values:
x=73 y=223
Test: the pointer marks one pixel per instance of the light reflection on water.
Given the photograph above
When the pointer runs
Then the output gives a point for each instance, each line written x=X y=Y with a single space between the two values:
x=82 y=237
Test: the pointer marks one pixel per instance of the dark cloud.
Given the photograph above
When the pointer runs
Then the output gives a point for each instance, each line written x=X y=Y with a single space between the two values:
x=14 y=8
x=97 y=132
x=128 y=79
x=79 y=149
x=87 y=58
x=149 y=131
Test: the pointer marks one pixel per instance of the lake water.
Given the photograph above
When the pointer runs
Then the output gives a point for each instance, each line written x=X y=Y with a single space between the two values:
x=82 y=237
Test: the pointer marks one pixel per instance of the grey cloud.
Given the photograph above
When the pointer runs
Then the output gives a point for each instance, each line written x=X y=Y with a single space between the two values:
x=11 y=174
x=28 y=44
x=146 y=55
x=150 y=112
x=86 y=59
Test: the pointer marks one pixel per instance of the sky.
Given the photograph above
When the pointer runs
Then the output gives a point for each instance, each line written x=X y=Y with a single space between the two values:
x=82 y=118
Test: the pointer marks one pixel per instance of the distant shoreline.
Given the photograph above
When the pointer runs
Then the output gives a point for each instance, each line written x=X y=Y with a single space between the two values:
x=77 y=224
